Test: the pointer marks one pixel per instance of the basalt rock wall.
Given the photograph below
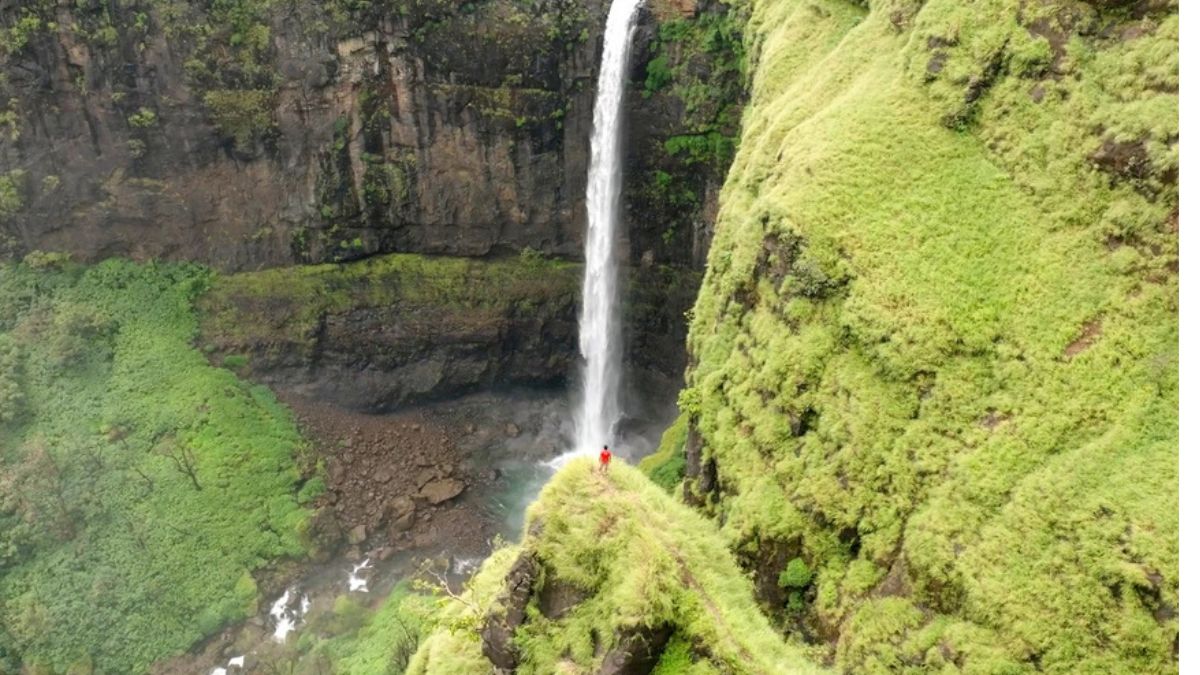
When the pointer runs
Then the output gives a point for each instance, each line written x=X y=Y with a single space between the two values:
x=259 y=133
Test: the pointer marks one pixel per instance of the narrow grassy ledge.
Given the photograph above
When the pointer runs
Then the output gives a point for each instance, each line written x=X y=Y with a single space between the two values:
x=284 y=305
x=635 y=560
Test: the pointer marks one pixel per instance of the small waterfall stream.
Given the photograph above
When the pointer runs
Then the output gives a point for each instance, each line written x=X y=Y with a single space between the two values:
x=599 y=326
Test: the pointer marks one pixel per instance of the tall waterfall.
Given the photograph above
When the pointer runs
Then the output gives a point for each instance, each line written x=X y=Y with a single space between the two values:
x=599 y=327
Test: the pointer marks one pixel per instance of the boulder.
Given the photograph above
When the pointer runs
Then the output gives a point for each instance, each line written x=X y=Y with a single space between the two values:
x=401 y=513
x=442 y=490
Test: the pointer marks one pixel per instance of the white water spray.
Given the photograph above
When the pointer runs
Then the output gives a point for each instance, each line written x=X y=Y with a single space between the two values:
x=599 y=327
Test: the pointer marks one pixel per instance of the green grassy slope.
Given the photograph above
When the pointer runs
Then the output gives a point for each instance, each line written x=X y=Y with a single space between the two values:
x=111 y=555
x=935 y=352
x=636 y=559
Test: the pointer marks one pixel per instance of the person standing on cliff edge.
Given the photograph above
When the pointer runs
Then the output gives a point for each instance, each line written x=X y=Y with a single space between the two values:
x=605 y=457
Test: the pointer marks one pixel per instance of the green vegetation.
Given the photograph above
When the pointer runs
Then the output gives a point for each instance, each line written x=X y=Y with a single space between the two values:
x=936 y=346
x=11 y=186
x=349 y=637
x=243 y=115
x=26 y=24
x=143 y=118
x=140 y=488
x=452 y=648
x=285 y=305
x=702 y=61
x=639 y=560
x=229 y=64
x=666 y=466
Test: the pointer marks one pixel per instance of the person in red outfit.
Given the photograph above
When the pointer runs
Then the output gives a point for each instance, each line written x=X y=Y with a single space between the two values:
x=605 y=457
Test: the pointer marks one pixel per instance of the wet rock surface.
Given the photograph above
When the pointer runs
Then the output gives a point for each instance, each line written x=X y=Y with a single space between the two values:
x=378 y=334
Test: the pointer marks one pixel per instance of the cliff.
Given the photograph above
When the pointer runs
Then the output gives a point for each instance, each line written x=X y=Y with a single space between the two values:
x=258 y=133
x=613 y=576
x=933 y=392
x=935 y=351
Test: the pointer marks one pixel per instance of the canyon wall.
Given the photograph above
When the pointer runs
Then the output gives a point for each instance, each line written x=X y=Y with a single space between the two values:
x=258 y=133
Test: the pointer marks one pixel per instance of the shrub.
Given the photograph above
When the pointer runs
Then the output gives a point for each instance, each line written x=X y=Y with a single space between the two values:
x=243 y=115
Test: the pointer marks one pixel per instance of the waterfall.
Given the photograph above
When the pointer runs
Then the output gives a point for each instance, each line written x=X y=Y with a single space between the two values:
x=599 y=326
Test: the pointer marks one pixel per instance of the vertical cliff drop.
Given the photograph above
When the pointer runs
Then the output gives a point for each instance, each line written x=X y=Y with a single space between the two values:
x=599 y=326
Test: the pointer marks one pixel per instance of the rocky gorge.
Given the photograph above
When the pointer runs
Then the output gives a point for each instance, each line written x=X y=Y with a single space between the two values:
x=287 y=286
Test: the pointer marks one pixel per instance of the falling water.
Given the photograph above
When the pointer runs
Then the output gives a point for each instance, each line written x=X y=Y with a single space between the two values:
x=599 y=327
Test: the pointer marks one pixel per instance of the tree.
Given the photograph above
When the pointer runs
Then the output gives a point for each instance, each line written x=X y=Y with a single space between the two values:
x=36 y=490
x=182 y=456
x=12 y=396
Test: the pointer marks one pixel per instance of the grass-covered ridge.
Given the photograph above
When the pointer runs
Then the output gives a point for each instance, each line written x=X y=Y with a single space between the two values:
x=140 y=487
x=635 y=560
x=935 y=352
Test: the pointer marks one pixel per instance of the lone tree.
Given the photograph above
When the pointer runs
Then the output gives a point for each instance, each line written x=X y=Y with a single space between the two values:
x=182 y=456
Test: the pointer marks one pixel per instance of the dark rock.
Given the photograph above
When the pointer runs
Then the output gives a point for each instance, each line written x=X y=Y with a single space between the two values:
x=501 y=625
x=557 y=597
x=700 y=471
x=1124 y=159
x=450 y=153
x=374 y=141
x=636 y=652
x=771 y=559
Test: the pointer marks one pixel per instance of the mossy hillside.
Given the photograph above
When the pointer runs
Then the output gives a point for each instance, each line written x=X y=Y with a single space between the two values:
x=453 y=648
x=665 y=466
x=935 y=349
x=639 y=560
x=283 y=307
x=142 y=489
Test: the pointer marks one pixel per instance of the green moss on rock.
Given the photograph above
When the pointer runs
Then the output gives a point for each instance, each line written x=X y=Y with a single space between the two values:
x=936 y=342
x=638 y=560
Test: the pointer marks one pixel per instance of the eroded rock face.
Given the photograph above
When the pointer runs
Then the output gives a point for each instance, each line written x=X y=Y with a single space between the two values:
x=254 y=134
x=501 y=625
x=636 y=652
x=376 y=334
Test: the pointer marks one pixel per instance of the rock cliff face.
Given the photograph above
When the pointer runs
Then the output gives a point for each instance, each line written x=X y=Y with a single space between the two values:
x=375 y=334
x=257 y=133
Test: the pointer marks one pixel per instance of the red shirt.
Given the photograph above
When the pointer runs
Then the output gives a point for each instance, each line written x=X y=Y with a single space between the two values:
x=605 y=455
